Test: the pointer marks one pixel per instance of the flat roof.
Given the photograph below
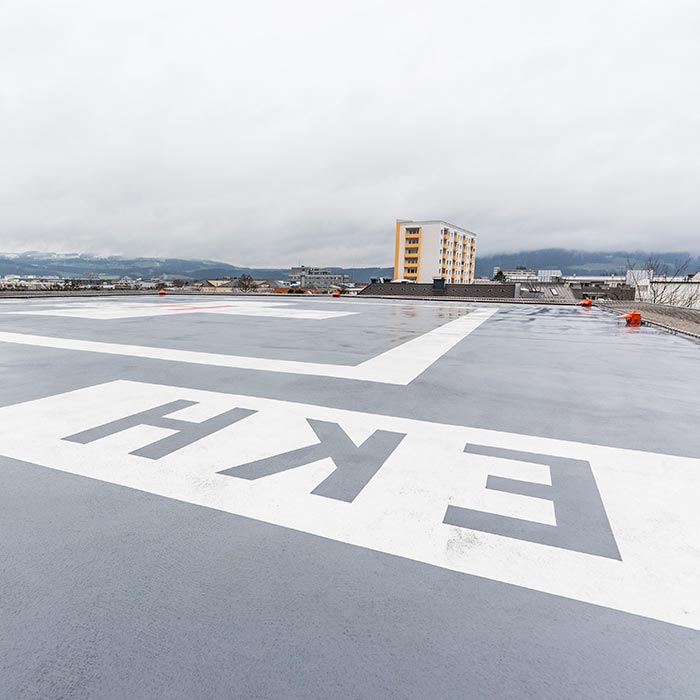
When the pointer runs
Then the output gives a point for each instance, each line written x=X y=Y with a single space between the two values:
x=323 y=498
x=437 y=221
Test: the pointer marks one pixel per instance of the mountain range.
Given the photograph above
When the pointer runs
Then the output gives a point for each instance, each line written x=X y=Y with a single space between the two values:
x=570 y=262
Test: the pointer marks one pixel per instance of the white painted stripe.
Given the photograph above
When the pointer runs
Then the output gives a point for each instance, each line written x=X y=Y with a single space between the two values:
x=400 y=365
x=650 y=499
x=403 y=363
x=116 y=310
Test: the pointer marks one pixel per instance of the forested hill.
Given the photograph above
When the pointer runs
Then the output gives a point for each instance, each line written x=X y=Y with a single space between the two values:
x=76 y=265
x=581 y=262
x=570 y=262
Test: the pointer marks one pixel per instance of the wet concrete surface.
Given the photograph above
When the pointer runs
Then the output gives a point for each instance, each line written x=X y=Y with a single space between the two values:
x=366 y=331
x=569 y=373
x=110 y=592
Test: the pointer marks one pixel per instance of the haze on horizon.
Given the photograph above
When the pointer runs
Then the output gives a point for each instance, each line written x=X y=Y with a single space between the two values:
x=265 y=134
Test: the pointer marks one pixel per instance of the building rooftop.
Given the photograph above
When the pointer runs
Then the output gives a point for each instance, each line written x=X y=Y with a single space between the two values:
x=436 y=221
x=332 y=498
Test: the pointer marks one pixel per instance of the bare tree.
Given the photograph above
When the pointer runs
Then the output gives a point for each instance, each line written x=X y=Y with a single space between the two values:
x=246 y=283
x=663 y=283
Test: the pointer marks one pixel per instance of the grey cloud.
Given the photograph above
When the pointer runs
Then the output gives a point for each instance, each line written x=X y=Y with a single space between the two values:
x=271 y=133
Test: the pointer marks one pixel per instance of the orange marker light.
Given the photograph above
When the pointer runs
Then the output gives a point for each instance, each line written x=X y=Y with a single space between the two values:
x=633 y=318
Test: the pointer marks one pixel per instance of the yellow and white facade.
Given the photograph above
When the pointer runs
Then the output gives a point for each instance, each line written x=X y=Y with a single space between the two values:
x=425 y=250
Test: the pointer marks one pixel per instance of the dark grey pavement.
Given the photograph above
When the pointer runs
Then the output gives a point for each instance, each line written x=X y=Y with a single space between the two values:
x=111 y=592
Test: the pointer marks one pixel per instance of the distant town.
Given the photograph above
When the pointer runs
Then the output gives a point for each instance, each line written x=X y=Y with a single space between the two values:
x=299 y=280
x=431 y=258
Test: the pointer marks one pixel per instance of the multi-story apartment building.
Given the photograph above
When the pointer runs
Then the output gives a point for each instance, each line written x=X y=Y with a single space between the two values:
x=518 y=274
x=429 y=249
x=316 y=277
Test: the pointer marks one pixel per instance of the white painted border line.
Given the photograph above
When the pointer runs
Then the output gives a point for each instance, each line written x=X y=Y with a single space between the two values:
x=400 y=365
x=405 y=362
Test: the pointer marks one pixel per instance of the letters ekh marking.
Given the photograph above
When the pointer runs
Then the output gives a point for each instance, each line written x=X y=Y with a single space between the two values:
x=582 y=524
x=354 y=465
x=187 y=431
x=581 y=521
x=411 y=506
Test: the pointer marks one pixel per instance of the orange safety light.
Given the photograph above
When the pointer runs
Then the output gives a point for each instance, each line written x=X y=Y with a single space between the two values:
x=161 y=292
x=335 y=293
x=585 y=302
x=633 y=318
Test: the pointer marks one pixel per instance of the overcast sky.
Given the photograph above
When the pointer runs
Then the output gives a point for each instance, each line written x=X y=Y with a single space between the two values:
x=271 y=133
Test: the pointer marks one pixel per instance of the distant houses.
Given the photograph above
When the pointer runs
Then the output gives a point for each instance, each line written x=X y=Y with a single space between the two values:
x=518 y=283
x=300 y=281
x=88 y=283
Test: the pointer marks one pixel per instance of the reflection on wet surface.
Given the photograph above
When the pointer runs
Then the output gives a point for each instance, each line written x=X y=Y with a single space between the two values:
x=367 y=330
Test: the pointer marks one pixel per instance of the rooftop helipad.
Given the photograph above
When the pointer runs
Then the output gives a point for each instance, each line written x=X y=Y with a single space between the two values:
x=332 y=498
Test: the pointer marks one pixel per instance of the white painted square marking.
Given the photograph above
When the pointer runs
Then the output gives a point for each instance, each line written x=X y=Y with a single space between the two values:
x=400 y=365
x=116 y=310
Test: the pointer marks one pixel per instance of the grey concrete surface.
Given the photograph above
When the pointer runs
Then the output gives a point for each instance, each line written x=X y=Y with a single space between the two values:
x=568 y=373
x=675 y=319
x=371 y=329
x=112 y=593
x=108 y=592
